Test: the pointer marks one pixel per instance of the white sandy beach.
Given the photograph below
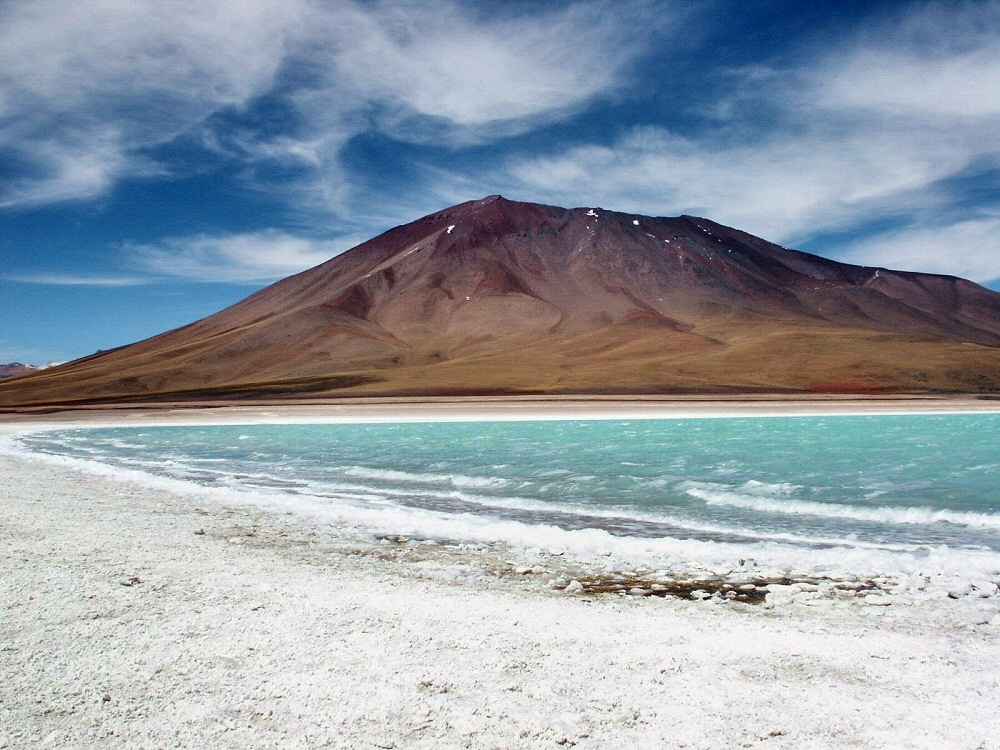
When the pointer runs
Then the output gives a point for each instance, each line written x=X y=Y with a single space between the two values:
x=148 y=618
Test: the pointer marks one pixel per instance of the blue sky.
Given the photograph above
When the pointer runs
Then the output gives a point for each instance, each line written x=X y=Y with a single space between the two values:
x=159 y=161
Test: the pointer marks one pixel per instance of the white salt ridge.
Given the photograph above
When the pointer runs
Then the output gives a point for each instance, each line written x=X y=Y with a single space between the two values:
x=947 y=570
x=769 y=488
x=338 y=490
x=628 y=514
x=117 y=443
x=621 y=514
x=456 y=480
x=909 y=516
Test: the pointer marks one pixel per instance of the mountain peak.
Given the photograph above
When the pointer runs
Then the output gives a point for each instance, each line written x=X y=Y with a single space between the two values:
x=502 y=296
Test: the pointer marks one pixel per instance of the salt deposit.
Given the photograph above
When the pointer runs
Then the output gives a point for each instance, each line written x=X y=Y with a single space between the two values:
x=146 y=617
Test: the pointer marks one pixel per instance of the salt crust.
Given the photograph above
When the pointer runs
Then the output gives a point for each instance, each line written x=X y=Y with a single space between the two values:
x=144 y=618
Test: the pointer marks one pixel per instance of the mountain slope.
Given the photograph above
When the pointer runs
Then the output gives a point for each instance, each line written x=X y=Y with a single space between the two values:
x=497 y=296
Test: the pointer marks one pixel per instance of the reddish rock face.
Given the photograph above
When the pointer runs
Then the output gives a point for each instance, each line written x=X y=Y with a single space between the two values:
x=498 y=296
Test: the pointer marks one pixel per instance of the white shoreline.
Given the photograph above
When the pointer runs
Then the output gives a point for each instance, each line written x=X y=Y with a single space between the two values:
x=492 y=409
x=268 y=631
x=940 y=570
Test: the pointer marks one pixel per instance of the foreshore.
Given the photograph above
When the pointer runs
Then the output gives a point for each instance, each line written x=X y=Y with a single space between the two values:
x=144 y=617
x=495 y=408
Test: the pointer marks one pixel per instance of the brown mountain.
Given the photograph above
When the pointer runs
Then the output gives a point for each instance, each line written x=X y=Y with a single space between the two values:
x=496 y=296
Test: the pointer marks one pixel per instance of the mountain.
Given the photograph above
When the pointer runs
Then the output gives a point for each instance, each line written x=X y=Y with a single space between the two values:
x=500 y=297
x=13 y=369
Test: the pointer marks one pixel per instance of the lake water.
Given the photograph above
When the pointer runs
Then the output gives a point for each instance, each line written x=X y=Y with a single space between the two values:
x=917 y=493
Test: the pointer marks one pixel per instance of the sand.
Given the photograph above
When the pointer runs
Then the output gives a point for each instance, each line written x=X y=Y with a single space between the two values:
x=133 y=617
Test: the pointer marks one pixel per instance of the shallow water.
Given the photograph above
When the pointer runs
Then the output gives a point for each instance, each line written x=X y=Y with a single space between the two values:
x=797 y=491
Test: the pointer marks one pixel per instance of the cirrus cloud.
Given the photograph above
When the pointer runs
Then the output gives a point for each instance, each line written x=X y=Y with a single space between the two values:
x=871 y=128
x=69 y=279
x=786 y=190
x=86 y=88
x=91 y=89
x=252 y=257
x=970 y=249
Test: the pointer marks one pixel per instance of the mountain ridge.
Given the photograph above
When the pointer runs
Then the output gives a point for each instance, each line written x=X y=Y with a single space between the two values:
x=498 y=296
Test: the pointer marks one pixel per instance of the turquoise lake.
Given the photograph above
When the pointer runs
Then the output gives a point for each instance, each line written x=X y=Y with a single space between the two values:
x=851 y=488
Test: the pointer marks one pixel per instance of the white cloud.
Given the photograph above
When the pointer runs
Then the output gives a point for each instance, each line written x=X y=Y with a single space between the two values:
x=195 y=56
x=62 y=279
x=253 y=257
x=442 y=72
x=88 y=87
x=85 y=86
x=937 y=59
x=783 y=190
x=78 y=165
x=898 y=82
x=241 y=258
x=871 y=129
x=970 y=249
x=440 y=60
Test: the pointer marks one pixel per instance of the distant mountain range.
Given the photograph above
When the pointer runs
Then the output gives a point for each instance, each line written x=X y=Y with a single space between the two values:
x=11 y=369
x=502 y=297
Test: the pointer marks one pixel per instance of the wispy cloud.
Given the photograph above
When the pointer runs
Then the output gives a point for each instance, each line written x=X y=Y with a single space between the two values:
x=59 y=279
x=441 y=69
x=935 y=60
x=868 y=126
x=441 y=73
x=785 y=190
x=249 y=258
x=242 y=258
x=970 y=249
x=871 y=128
x=89 y=88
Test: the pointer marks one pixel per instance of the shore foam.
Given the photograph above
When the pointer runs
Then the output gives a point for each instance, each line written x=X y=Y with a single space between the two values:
x=904 y=573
